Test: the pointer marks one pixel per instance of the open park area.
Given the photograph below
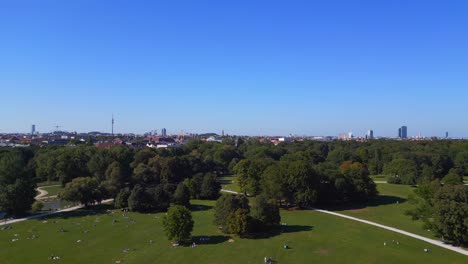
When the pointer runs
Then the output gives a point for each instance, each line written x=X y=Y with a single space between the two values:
x=104 y=235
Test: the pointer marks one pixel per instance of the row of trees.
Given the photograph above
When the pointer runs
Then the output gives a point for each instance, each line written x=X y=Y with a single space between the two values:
x=301 y=173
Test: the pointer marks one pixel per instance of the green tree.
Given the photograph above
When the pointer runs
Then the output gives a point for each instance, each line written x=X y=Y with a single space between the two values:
x=453 y=177
x=182 y=195
x=178 y=224
x=82 y=189
x=401 y=171
x=17 y=187
x=451 y=213
x=210 y=187
x=265 y=212
x=238 y=222
x=227 y=204
x=121 y=200
x=115 y=179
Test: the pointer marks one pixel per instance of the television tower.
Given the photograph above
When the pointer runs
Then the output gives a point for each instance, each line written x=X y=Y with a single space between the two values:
x=112 y=124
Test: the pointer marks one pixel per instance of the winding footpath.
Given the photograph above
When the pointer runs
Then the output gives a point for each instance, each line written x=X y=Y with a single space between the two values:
x=425 y=239
x=43 y=193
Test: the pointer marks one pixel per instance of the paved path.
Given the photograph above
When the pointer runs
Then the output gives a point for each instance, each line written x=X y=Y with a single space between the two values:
x=47 y=214
x=42 y=193
x=425 y=239
x=428 y=240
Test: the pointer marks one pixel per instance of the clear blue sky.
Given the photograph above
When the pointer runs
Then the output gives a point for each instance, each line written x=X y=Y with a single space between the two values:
x=248 y=67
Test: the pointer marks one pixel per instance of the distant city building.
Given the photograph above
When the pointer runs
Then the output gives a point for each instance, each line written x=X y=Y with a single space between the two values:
x=33 y=129
x=163 y=132
x=446 y=134
x=370 y=134
x=404 y=132
x=345 y=136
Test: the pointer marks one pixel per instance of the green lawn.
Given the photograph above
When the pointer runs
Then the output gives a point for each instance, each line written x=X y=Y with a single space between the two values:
x=229 y=183
x=385 y=209
x=47 y=183
x=379 y=177
x=52 y=190
x=313 y=237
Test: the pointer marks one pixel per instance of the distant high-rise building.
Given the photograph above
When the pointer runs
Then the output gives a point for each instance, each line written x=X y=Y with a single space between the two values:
x=446 y=135
x=399 y=132
x=33 y=129
x=112 y=125
x=404 y=132
x=222 y=133
x=370 y=134
x=163 y=132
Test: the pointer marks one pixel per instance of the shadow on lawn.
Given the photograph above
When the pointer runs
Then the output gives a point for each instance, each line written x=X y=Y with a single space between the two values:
x=201 y=207
x=377 y=201
x=283 y=229
x=91 y=210
x=210 y=240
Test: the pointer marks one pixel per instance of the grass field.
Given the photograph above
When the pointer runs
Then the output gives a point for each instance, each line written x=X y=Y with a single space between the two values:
x=47 y=183
x=379 y=177
x=229 y=183
x=313 y=237
x=52 y=190
x=385 y=209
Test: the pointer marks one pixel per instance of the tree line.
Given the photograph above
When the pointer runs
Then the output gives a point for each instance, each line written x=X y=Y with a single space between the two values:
x=298 y=174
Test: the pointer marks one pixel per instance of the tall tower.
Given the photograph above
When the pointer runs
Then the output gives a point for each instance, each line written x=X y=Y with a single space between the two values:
x=33 y=130
x=404 y=132
x=163 y=132
x=112 y=124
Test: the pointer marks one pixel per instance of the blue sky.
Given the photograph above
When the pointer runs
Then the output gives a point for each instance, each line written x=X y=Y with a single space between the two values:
x=248 y=67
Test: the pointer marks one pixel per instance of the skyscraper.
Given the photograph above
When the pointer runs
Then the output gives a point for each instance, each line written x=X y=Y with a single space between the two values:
x=163 y=132
x=404 y=132
x=370 y=134
x=33 y=129
x=399 y=132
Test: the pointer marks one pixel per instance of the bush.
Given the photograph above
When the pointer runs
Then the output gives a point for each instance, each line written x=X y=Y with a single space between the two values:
x=37 y=206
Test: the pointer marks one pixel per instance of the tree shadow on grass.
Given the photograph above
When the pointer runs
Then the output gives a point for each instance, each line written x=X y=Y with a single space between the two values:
x=377 y=201
x=200 y=207
x=91 y=210
x=210 y=240
x=278 y=230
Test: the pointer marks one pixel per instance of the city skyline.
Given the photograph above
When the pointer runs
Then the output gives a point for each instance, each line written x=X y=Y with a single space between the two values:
x=262 y=68
x=368 y=134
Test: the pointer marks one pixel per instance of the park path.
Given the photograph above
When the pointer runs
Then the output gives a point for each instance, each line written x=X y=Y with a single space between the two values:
x=43 y=193
x=425 y=239
x=48 y=214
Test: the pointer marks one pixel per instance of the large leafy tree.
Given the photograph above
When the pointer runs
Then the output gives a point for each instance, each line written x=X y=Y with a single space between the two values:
x=178 y=224
x=17 y=187
x=210 y=187
x=82 y=189
x=182 y=195
x=226 y=205
x=451 y=213
x=265 y=212
x=402 y=170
